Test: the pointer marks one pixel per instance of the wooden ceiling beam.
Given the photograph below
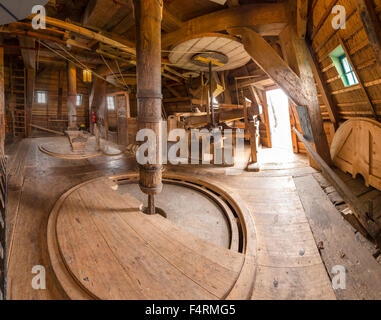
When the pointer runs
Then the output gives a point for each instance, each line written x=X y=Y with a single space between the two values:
x=112 y=40
x=323 y=89
x=170 y=21
x=29 y=56
x=99 y=12
x=371 y=25
x=302 y=18
x=249 y=82
x=233 y=3
x=268 y=19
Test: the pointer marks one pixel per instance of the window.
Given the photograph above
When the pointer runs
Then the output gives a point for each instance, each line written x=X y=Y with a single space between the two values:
x=78 y=100
x=348 y=71
x=42 y=97
x=343 y=67
x=111 y=103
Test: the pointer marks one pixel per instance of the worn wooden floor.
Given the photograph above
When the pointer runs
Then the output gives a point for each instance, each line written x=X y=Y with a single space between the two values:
x=289 y=264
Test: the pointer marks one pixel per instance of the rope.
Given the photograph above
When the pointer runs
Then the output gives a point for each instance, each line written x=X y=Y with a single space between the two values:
x=108 y=66
x=82 y=66
x=120 y=72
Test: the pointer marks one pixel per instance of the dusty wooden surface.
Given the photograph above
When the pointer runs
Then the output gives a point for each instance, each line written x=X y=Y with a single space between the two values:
x=289 y=264
x=338 y=244
x=44 y=179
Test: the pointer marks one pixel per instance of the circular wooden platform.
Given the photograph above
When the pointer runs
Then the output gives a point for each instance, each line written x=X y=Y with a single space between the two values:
x=60 y=148
x=182 y=54
x=101 y=245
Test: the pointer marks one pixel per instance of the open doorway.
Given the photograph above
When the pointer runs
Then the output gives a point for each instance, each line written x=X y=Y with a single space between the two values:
x=281 y=155
x=279 y=119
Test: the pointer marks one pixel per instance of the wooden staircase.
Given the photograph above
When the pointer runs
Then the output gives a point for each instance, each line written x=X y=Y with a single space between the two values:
x=18 y=100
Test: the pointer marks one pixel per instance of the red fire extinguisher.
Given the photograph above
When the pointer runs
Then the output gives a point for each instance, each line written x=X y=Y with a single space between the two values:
x=93 y=117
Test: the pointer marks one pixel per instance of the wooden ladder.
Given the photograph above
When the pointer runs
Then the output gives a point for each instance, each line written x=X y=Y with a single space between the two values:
x=3 y=229
x=18 y=100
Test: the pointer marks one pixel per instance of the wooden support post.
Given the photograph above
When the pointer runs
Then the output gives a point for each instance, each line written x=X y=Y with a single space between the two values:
x=250 y=127
x=60 y=94
x=122 y=104
x=227 y=93
x=30 y=87
x=2 y=103
x=98 y=105
x=97 y=138
x=302 y=18
x=148 y=15
x=211 y=95
x=72 y=96
x=268 y=142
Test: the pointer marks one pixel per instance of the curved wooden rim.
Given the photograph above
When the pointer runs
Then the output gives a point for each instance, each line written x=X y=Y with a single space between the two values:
x=203 y=35
x=68 y=156
x=243 y=288
x=335 y=147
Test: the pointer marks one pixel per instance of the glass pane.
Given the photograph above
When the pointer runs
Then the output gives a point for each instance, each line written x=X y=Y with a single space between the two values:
x=41 y=97
x=350 y=79
x=346 y=65
x=355 y=81
x=79 y=100
x=110 y=103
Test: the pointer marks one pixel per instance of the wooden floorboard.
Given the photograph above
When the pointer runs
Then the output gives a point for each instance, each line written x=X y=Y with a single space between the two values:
x=339 y=246
x=289 y=263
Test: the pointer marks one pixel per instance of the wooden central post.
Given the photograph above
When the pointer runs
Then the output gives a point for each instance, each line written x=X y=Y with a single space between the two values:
x=148 y=15
x=72 y=95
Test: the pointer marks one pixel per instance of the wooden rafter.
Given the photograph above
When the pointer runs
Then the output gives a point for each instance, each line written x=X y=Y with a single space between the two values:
x=302 y=18
x=119 y=44
x=301 y=90
x=324 y=91
x=269 y=18
x=361 y=83
x=371 y=25
x=323 y=18
x=233 y=3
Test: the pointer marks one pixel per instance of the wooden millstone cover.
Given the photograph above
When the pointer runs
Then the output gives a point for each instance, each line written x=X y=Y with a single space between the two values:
x=356 y=149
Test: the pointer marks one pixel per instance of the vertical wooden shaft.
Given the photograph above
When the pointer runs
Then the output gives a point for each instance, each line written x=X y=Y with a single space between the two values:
x=148 y=15
x=211 y=93
x=151 y=204
x=60 y=92
x=98 y=105
x=72 y=95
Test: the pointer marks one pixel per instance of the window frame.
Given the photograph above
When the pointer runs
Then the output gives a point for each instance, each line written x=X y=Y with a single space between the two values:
x=108 y=99
x=45 y=93
x=349 y=75
x=80 y=96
